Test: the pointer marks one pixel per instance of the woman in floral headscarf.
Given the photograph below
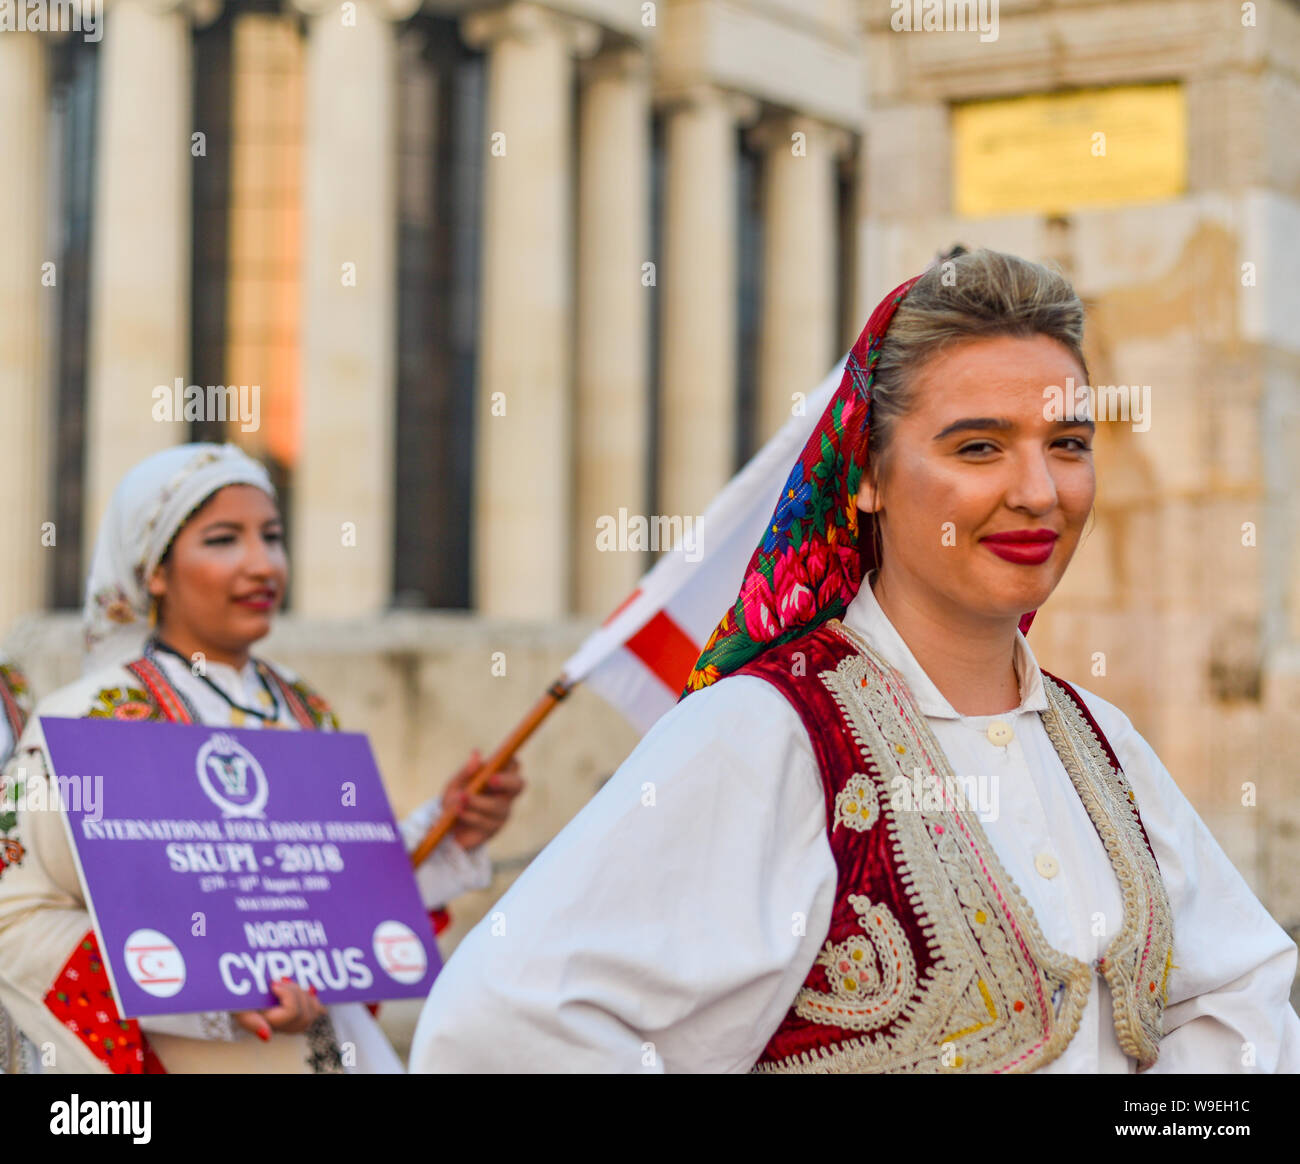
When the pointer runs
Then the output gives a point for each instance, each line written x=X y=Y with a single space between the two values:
x=188 y=572
x=874 y=835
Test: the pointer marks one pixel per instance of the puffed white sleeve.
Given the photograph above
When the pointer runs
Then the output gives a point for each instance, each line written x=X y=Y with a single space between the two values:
x=670 y=924
x=1228 y=1009
x=449 y=870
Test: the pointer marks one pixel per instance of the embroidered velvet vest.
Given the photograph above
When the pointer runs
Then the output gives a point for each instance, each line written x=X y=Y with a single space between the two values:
x=933 y=961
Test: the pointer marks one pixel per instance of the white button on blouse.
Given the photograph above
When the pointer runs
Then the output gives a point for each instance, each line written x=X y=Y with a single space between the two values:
x=1000 y=733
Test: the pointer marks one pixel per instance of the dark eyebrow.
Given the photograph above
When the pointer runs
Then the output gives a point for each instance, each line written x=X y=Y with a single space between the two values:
x=238 y=525
x=980 y=423
x=1002 y=424
x=1088 y=424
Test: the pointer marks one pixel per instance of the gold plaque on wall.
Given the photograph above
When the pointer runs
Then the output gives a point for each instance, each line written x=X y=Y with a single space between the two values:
x=1053 y=152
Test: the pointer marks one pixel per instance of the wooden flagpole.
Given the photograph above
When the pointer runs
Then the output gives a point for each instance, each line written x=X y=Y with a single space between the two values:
x=494 y=763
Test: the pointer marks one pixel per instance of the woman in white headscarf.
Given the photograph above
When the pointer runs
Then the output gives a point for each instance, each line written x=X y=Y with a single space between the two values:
x=188 y=572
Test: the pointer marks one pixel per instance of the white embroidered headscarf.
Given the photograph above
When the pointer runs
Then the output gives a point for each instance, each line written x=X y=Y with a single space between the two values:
x=147 y=510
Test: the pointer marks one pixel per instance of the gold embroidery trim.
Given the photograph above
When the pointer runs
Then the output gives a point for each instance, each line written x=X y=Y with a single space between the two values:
x=1137 y=960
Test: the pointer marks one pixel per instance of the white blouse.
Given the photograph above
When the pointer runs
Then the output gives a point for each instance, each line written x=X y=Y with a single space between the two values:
x=669 y=926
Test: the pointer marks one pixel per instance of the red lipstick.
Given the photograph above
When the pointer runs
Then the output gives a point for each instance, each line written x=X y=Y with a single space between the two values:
x=1025 y=547
x=258 y=600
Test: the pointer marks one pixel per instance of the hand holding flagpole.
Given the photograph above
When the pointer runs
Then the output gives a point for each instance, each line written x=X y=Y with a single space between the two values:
x=492 y=765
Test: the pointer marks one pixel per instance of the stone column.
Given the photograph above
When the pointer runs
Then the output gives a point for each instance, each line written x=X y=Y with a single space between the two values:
x=140 y=263
x=25 y=299
x=343 y=484
x=523 y=463
x=798 y=335
x=698 y=285
x=612 y=445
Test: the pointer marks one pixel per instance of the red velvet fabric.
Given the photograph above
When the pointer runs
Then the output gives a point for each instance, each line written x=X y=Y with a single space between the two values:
x=863 y=861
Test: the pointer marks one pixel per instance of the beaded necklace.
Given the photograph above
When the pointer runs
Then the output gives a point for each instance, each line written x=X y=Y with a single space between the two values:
x=238 y=712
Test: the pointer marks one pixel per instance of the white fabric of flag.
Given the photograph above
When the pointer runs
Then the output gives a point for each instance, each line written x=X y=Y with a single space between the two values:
x=639 y=659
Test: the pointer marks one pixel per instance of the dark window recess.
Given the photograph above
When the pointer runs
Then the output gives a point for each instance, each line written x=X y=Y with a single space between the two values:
x=846 y=255
x=73 y=68
x=210 y=195
x=749 y=278
x=441 y=136
x=211 y=200
x=657 y=175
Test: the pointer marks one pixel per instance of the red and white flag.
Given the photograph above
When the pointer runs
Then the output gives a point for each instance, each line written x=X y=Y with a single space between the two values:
x=639 y=659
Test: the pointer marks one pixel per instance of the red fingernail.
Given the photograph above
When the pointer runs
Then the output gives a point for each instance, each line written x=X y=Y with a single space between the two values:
x=312 y=989
x=264 y=1035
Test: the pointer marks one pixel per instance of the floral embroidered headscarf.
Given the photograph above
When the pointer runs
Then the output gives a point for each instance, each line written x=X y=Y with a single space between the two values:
x=817 y=547
x=148 y=508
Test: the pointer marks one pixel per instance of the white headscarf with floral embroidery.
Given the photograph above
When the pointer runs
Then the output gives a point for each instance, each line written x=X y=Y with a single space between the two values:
x=147 y=510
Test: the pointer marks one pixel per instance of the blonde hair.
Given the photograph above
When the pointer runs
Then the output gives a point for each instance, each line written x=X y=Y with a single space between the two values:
x=967 y=295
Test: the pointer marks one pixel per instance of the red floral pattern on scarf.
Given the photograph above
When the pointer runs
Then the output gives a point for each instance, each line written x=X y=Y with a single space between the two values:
x=809 y=565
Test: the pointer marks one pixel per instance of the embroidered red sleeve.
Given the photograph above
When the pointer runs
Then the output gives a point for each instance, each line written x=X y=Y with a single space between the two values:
x=82 y=1001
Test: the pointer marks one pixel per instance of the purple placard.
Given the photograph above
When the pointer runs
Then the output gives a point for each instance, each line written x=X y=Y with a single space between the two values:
x=218 y=860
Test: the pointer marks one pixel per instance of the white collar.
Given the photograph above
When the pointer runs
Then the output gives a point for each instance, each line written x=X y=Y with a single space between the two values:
x=865 y=618
x=235 y=682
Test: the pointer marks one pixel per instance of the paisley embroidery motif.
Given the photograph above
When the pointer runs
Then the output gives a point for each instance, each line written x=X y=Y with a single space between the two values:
x=871 y=975
x=856 y=805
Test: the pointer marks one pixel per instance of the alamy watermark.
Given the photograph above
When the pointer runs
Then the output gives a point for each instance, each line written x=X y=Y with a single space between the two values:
x=635 y=531
x=83 y=16
x=1128 y=403
x=935 y=792
x=945 y=16
x=215 y=402
x=83 y=794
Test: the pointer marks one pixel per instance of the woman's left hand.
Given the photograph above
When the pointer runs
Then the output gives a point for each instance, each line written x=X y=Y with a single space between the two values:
x=481 y=816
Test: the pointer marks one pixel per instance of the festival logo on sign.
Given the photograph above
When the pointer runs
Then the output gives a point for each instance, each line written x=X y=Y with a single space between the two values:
x=154 y=963
x=231 y=777
x=399 y=952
